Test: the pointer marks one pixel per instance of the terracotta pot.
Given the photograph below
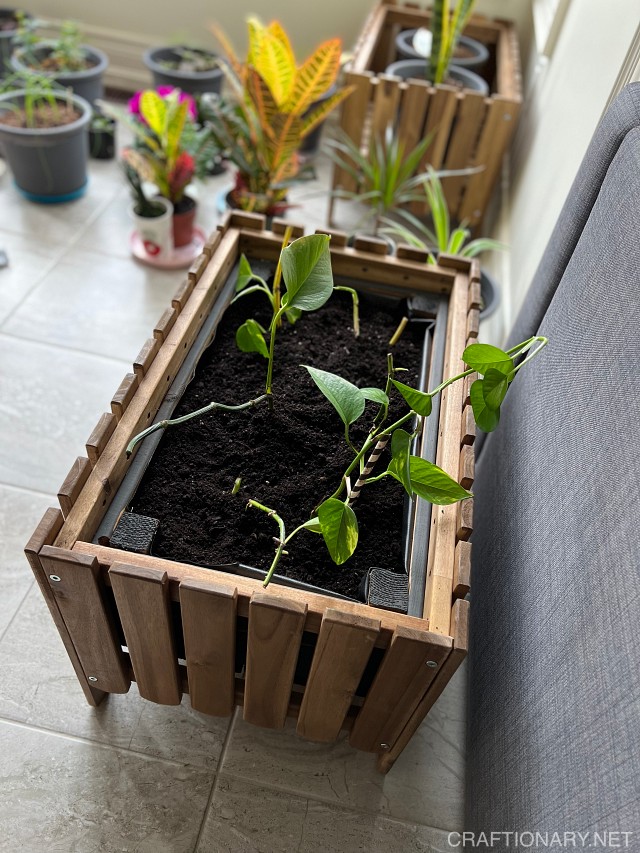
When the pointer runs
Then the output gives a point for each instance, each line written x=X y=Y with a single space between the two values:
x=184 y=217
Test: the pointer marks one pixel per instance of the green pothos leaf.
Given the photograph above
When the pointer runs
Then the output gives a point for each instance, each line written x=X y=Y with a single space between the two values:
x=313 y=525
x=249 y=338
x=346 y=398
x=416 y=400
x=245 y=274
x=339 y=529
x=483 y=357
x=306 y=269
x=494 y=388
x=399 y=466
x=486 y=417
x=433 y=484
x=376 y=395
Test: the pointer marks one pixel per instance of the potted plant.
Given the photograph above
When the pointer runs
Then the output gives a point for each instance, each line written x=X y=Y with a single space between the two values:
x=439 y=66
x=192 y=69
x=9 y=24
x=153 y=218
x=168 y=150
x=452 y=241
x=43 y=134
x=102 y=137
x=65 y=59
x=416 y=43
x=263 y=125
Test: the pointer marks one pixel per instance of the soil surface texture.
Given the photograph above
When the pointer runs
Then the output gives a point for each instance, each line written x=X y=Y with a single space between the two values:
x=290 y=458
x=44 y=116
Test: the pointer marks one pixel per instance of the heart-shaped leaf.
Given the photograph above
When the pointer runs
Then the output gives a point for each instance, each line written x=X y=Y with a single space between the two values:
x=483 y=357
x=486 y=418
x=346 y=398
x=376 y=395
x=433 y=484
x=249 y=338
x=313 y=525
x=494 y=388
x=306 y=268
x=245 y=274
x=417 y=400
x=339 y=529
x=399 y=467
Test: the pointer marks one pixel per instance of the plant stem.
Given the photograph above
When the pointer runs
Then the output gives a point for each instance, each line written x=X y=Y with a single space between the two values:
x=175 y=421
x=276 y=300
x=398 y=332
x=272 y=343
x=282 y=541
x=356 y=311
x=263 y=287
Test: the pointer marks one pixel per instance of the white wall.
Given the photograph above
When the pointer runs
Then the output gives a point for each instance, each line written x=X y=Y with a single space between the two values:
x=558 y=121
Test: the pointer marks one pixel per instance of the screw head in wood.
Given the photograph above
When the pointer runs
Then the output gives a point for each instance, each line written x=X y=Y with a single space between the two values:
x=432 y=664
x=55 y=578
x=384 y=746
x=91 y=678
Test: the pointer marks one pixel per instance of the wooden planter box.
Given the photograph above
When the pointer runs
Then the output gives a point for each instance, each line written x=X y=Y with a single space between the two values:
x=173 y=628
x=469 y=129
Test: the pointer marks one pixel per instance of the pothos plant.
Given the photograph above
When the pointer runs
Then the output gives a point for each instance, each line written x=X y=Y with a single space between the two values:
x=305 y=266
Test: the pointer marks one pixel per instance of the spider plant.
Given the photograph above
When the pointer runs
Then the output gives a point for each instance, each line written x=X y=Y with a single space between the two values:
x=446 y=28
x=442 y=237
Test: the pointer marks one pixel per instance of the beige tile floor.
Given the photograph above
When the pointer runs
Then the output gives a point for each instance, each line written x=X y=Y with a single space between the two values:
x=133 y=776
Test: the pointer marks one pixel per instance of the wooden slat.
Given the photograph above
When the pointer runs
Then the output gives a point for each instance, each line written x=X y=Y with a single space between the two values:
x=352 y=121
x=509 y=81
x=248 y=221
x=413 y=112
x=475 y=296
x=248 y=587
x=470 y=115
x=275 y=631
x=398 y=687
x=181 y=295
x=279 y=226
x=73 y=483
x=209 y=627
x=442 y=108
x=405 y=252
x=464 y=519
x=124 y=394
x=437 y=604
x=462 y=570
x=467 y=382
x=165 y=324
x=112 y=465
x=142 y=597
x=339 y=239
x=212 y=243
x=44 y=534
x=371 y=244
x=386 y=100
x=368 y=40
x=341 y=655
x=468 y=426
x=198 y=267
x=460 y=633
x=473 y=325
x=145 y=357
x=100 y=436
x=496 y=133
x=467 y=465
x=80 y=598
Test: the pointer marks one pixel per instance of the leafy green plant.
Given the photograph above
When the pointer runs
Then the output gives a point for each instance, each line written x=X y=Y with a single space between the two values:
x=447 y=25
x=41 y=98
x=443 y=237
x=65 y=52
x=191 y=59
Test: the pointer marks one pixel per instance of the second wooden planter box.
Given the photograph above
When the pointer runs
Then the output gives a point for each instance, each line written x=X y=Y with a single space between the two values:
x=175 y=628
x=468 y=129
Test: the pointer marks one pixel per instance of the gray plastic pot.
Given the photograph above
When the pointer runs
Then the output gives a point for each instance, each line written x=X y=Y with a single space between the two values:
x=193 y=82
x=49 y=165
x=6 y=38
x=489 y=294
x=86 y=84
x=476 y=60
x=417 y=69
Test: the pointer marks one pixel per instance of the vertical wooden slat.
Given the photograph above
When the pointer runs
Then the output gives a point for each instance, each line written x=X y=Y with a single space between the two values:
x=352 y=121
x=468 y=435
x=248 y=221
x=473 y=325
x=464 y=519
x=74 y=580
x=371 y=244
x=100 y=436
x=145 y=357
x=467 y=465
x=462 y=570
x=386 y=98
x=469 y=119
x=142 y=596
x=279 y=226
x=368 y=41
x=413 y=112
x=196 y=269
x=183 y=292
x=442 y=108
x=165 y=324
x=341 y=655
x=398 y=687
x=212 y=243
x=124 y=394
x=275 y=631
x=209 y=627
x=460 y=633
x=45 y=534
x=73 y=483
x=475 y=296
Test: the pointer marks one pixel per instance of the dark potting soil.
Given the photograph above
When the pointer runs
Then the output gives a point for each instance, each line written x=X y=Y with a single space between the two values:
x=290 y=458
x=44 y=116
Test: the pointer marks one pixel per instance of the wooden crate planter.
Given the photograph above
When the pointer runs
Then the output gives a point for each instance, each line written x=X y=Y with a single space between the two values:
x=173 y=628
x=468 y=129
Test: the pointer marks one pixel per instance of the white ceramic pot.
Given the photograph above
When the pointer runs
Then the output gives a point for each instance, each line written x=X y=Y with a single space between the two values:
x=155 y=232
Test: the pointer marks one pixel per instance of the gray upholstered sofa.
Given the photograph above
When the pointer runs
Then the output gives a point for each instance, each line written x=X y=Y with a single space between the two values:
x=554 y=723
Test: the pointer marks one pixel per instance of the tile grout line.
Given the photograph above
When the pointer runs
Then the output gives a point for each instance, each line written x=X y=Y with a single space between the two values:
x=74 y=350
x=216 y=778
x=17 y=610
x=12 y=487
x=99 y=744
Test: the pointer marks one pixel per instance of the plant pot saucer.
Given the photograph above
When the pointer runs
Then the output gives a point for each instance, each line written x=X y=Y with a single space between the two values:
x=177 y=259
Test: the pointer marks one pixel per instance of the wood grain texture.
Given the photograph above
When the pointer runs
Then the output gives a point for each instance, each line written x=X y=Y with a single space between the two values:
x=144 y=359
x=371 y=244
x=209 y=627
x=398 y=687
x=462 y=570
x=460 y=630
x=198 y=267
x=475 y=296
x=179 y=299
x=344 y=647
x=247 y=221
x=213 y=241
x=468 y=435
x=73 y=483
x=99 y=438
x=386 y=100
x=466 y=472
x=80 y=598
x=275 y=631
x=165 y=324
x=124 y=394
x=279 y=226
x=142 y=598
x=45 y=534
x=464 y=519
